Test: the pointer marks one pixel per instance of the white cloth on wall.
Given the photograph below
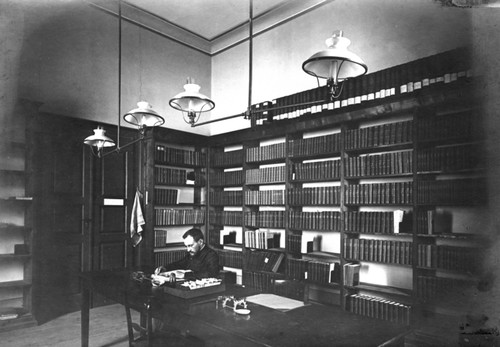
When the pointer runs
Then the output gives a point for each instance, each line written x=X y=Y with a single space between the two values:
x=136 y=220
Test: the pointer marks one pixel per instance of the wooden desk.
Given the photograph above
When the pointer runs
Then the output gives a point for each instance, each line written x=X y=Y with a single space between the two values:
x=119 y=287
x=311 y=325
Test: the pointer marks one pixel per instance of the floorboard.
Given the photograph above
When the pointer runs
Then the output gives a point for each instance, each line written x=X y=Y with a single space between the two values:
x=108 y=328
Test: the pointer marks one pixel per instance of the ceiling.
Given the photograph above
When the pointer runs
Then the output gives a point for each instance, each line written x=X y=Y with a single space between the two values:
x=210 y=26
x=208 y=19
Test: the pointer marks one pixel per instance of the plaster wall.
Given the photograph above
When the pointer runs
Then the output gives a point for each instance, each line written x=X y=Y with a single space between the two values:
x=383 y=33
x=65 y=55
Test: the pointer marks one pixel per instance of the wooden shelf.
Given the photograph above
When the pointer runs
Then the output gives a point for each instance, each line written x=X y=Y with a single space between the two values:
x=13 y=284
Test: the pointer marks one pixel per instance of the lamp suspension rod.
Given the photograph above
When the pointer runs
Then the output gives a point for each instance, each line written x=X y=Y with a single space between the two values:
x=118 y=149
x=119 y=72
x=250 y=54
x=218 y=119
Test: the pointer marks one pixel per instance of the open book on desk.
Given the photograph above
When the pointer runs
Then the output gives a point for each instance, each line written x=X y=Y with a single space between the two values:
x=169 y=276
x=179 y=274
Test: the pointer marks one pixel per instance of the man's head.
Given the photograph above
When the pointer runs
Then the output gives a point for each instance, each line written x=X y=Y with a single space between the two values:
x=194 y=241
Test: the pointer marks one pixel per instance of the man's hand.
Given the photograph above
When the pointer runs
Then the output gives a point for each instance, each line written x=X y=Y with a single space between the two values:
x=159 y=270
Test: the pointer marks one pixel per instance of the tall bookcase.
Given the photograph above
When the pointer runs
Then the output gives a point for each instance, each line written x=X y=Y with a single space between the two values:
x=375 y=194
x=174 y=192
x=16 y=226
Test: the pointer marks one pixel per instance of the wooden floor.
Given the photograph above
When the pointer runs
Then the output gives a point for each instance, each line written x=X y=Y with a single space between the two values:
x=108 y=328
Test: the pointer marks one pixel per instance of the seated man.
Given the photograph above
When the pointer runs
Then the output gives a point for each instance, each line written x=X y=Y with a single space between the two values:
x=200 y=258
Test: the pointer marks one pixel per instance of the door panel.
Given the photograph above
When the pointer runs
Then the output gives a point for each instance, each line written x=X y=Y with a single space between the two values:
x=112 y=205
x=77 y=229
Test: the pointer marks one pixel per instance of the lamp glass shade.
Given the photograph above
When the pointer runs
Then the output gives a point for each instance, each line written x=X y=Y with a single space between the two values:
x=143 y=116
x=99 y=139
x=336 y=62
x=191 y=100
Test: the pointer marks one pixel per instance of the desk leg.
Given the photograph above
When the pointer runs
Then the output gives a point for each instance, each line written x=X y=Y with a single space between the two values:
x=85 y=315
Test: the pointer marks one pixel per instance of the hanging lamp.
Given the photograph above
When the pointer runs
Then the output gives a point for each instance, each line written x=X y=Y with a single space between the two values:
x=191 y=102
x=335 y=64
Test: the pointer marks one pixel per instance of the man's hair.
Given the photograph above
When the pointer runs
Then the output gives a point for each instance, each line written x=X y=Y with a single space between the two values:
x=196 y=233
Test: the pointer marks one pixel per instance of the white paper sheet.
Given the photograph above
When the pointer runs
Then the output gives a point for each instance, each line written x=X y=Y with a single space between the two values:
x=275 y=301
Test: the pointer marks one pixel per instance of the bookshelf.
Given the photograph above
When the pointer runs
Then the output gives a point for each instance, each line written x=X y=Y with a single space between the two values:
x=384 y=184
x=451 y=185
x=264 y=209
x=16 y=227
x=174 y=181
x=226 y=196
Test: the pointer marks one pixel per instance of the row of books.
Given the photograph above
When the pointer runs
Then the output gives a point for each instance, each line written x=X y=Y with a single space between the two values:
x=379 y=308
x=429 y=222
x=431 y=287
x=265 y=219
x=316 y=171
x=226 y=217
x=457 y=126
x=260 y=281
x=296 y=269
x=443 y=68
x=228 y=178
x=262 y=260
x=322 y=220
x=450 y=158
x=457 y=192
x=275 y=174
x=226 y=198
x=379 y=135
x=462 y=259
x=230 y=258
x=394 y=163
x=171 y=156
x=399 y=193
x=160 y=239
x=164 y=175
x=472 y=191
x=165 y=216
x=380 y=251
x=379 y=222
x=289 y=289
x=294 y=243
x=164 y=196
x=315 y=145
x=269 y=152
x=318 y=271
x=432 y=222
x=227 y=159
x=323 y=272
x=314 y=196
x=265 y=197
x=262 y=239
x=167 y=257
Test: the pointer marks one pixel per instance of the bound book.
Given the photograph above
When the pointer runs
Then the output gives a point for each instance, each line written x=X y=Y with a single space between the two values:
x=351 y=274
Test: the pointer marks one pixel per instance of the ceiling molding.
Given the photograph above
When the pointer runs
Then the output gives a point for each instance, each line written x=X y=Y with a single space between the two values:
x=274 y=17
x=265 y=22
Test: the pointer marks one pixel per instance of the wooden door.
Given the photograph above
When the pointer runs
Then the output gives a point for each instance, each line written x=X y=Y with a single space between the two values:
x=114 y=193
x=75 y=231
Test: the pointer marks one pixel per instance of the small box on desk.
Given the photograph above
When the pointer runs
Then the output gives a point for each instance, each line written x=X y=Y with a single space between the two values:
x=186 y=293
